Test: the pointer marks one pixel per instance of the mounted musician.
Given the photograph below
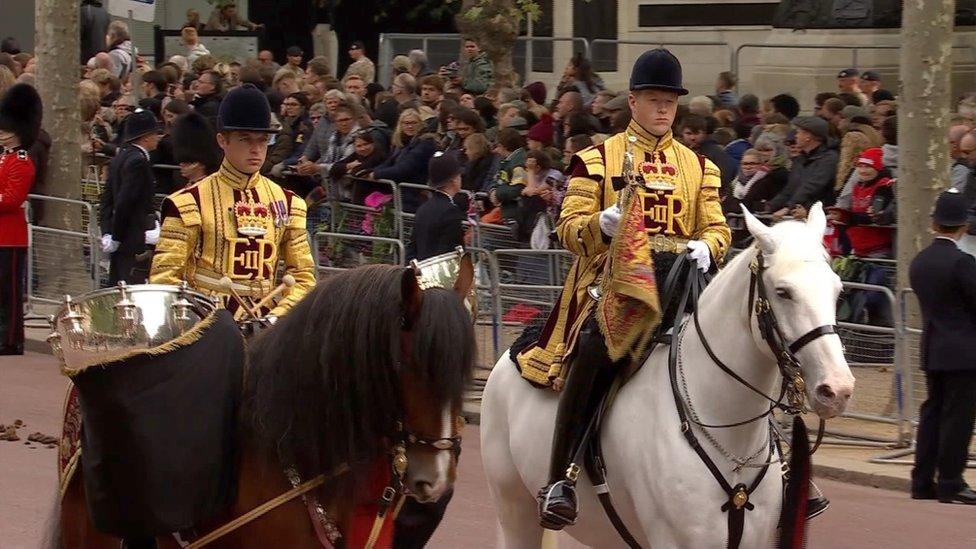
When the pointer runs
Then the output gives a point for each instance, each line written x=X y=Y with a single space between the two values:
x=677 y=191
x=236 y=225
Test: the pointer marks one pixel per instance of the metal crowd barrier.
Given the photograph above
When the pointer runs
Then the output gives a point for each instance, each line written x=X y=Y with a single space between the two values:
x=61 y=261
x=340 y=251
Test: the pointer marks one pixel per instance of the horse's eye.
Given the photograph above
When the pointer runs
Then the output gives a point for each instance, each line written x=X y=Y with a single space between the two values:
x=784 y=293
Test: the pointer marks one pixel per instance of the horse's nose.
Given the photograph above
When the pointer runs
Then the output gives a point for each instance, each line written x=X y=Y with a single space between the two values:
x=834 y=397
x=423 y=491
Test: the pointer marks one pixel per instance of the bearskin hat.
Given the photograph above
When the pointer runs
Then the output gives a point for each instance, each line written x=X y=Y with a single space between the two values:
x=20 y=113
x=194 y=140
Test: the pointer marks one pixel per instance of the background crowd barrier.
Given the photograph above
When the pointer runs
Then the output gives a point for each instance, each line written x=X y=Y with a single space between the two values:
x=516 y=288
x=61 y=261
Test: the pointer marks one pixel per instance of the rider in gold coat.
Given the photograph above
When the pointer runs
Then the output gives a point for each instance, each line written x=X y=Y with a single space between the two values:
x=681 y=213
x=237 y=223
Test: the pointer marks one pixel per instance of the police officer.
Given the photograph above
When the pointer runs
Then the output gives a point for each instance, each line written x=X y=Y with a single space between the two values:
x=237 y=224
x=126 y=204
x=681 y=213
x=944 y=279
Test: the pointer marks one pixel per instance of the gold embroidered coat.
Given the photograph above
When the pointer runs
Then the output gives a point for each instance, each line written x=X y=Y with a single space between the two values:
x=239 y=226
x=684 y=206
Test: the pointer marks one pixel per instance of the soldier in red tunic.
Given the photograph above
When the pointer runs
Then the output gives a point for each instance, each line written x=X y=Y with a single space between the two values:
x=20 y=122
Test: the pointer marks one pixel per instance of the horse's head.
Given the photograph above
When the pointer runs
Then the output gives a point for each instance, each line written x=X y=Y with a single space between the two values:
x=439 y=348
x=802 y=291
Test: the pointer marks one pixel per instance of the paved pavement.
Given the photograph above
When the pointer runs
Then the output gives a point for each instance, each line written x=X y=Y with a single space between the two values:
x=31 y=389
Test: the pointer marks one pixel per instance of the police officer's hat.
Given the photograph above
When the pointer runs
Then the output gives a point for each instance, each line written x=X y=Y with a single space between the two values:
x=245 y=109
x=951 y=209
x=138 y=124
x=657 y=69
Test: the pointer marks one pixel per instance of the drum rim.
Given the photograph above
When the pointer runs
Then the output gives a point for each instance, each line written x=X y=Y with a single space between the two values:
x=140 y=288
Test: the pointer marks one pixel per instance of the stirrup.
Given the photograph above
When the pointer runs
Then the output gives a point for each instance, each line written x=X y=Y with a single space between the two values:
x=558 y=505
x=816 y=506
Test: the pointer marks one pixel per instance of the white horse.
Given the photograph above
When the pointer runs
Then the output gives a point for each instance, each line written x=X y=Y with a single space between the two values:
x=661 y=488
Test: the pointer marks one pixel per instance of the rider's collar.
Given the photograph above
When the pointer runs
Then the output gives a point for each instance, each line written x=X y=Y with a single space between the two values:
x=647 y=141
x=236 y=178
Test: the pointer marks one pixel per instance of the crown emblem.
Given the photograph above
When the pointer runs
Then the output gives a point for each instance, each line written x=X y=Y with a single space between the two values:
x=660 y=175
x=252 y=218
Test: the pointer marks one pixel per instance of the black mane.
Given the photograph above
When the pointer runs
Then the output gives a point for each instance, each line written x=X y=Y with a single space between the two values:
x=322 y=387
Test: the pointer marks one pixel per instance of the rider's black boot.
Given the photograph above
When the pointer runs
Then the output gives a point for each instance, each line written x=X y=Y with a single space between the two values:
x=588 y=381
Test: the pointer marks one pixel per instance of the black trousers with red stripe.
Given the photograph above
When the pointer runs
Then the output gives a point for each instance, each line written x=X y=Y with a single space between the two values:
x=13 y=269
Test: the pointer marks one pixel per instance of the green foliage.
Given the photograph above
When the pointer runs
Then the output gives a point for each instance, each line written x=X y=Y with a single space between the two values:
x=498 y=12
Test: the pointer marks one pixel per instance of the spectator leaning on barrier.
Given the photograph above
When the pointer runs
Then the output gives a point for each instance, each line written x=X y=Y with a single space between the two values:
x=812 y=173
x=944 y=279
x=20 y=123
x=871 y=201
x=412 y=149
x=439 y=225
x=480 y=164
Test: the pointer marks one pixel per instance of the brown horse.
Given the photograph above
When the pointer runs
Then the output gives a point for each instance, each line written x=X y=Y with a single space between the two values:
x=365 y=371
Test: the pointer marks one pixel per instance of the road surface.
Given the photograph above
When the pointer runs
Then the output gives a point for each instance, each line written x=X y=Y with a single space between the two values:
x=32 y=390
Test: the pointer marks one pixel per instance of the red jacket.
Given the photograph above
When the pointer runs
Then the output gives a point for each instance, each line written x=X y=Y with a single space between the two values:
x=868 y=239
x=16 y=180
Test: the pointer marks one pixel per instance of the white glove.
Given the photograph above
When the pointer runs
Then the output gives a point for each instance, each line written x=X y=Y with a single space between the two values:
x=108 y=245
x=152 y=235
x=610 y=220
x=698 y=251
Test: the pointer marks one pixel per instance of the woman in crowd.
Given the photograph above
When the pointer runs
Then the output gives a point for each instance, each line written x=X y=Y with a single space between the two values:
x=369 y=154
x=411 y=153
x=762 y=175
x=290 y=142
x=481 y=165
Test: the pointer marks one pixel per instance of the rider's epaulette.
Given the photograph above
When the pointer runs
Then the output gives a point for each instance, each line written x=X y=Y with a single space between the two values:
x=186 y=204
x=588 y=163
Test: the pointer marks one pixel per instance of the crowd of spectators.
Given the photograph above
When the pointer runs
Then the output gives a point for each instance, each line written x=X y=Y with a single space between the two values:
x=337 y=134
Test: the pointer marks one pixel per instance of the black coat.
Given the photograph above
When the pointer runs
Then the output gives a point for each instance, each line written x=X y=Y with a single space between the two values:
x=944 y=279
x=437 y=229
x=127 y=200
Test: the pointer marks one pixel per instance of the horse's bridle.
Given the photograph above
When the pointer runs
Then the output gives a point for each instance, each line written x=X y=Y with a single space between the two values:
x=794 y=386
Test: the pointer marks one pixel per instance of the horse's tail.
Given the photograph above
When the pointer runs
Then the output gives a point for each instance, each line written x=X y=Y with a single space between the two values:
x=52 y=536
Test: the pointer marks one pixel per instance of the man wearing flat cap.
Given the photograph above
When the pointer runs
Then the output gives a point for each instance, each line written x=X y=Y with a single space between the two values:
x=237 y=224
x=813 y=173
x=126 y=205
x=944 y=279
x=675 y=200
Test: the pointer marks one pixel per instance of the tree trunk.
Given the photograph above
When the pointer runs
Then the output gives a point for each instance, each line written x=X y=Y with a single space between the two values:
x=923 y=117
x=923 y=156
x=58 y=261
x=496 y=29
x=57 y=50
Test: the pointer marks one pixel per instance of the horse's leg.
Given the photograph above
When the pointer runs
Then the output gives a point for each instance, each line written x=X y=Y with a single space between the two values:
x=517 y=514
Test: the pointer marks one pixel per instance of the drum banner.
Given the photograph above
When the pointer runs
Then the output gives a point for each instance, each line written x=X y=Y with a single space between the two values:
x=629 y=309
x=158 y=432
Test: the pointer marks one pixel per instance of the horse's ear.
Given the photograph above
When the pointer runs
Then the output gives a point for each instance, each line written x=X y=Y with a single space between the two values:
x=760 y=232
x=462 y=286
x=817 y=220
x=411 y=296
